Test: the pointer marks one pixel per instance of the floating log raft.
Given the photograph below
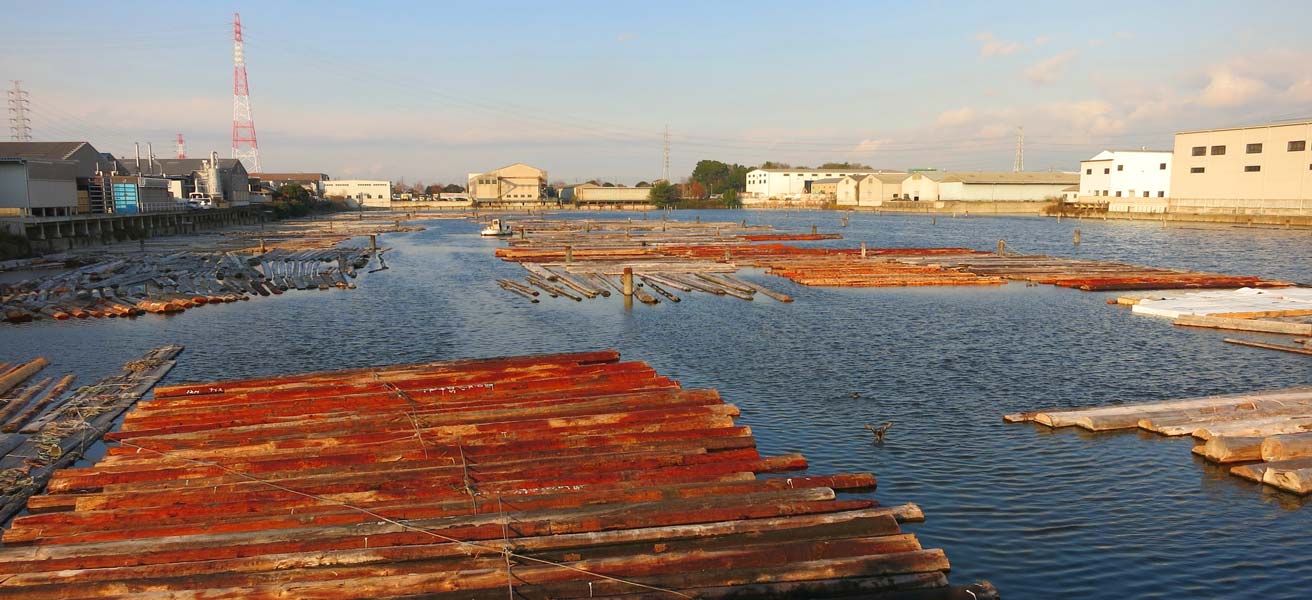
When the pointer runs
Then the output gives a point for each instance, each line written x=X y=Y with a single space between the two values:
x=56 y=431
x=549 y=476
x=1089 y=275
x=1244 y=303
x=1274 y=426
x=172 y=283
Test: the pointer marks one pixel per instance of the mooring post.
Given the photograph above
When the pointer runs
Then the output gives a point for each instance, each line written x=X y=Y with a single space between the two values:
x=262 y=250
x=933 y=220
x=863 y=249
x=569 y=254
x=1077 y=236
x=626 y=281
x=727 y=257
x=813 y=230
x=698 y=219
x=1002 y=247
x=373 y=241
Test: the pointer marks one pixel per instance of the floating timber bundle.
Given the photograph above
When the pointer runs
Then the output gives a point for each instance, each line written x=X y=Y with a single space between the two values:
x=42 y=432
x=1273 y=428
x=171 y=283
x=549 y=476
x=1089 y=275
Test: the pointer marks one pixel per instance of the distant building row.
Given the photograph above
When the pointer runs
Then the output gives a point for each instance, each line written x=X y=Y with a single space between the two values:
x=869 y=187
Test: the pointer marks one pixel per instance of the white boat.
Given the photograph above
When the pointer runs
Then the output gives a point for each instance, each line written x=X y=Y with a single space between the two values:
x=496 y=228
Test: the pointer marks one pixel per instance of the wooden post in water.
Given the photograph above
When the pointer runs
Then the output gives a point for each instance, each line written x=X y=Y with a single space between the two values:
x=813 y=230
x=569 y=254
x=1002 y=247
x=933 y=220
x=727 y=257
x=863 y=249
x=373 y=241
x=1077 y=236
x=626 y=281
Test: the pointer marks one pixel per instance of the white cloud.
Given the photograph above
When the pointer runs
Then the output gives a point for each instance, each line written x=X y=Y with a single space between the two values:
x=1300 y=91
x=627 y=36
x=1123 y=35
x=1095 y=42
x=867 y=146
x=1041 y=40
x=956 y=116
x=1049 y=69
x=991 y=46
x=1227 y=88
x=1094 y=117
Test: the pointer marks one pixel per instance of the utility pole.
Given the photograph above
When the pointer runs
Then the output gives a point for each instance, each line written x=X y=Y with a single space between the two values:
x=1019 y=164
x=20 y=127
x=665 y=168
x=244 y=145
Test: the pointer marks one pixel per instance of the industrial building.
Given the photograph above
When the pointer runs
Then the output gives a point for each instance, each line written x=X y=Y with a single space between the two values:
x=223 y=180
x=1126 y=174
x=34 y=187
x=1260 y=166
x=372 y=193
x=826 y=188
x=593 y=195
x=516 y=184
x=792 y=183
x=1004 y=186
x=922 y=185
x=137 y=195
x=90 y=167
x=870 y=189
x=312 y=182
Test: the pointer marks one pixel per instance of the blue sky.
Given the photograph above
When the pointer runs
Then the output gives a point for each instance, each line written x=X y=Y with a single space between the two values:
x=432 y=90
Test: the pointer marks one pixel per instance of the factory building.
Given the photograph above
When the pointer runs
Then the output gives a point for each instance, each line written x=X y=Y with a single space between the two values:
x=870 y=189
x=1004 y=186
x=224 y=181
x=1266 y=166
x=367 y=192
x=133 y=195
x=312 y=182
x=90 y=167
x=592 y=195
x=1126 y=174
x=35 y=187
x=922 y=185
x=516 y=184
x=791 y=183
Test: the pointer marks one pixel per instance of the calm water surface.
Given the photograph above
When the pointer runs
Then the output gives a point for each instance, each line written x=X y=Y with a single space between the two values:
x=1041 y=513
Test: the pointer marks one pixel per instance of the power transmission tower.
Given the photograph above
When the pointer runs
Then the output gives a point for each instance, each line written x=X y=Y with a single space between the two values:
x=244 y=145
x=665 y=168
x=182 y=147
x=1019 y=164
x=20 y=127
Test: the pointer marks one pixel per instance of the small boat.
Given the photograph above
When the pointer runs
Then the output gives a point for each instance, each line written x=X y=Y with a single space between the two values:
x=496 y=228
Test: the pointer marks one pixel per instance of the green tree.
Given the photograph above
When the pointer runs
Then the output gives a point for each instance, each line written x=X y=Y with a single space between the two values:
x=843 y=165
x=433 y=189
x=663 y=193
x=452 y=188
x=731 y=199
x=718 y=177
x=774 y=164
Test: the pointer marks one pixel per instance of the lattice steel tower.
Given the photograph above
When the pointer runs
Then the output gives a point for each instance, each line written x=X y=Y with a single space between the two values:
x=20 y=127
x=1018 y=164
x=181 y=147
x=244 y=145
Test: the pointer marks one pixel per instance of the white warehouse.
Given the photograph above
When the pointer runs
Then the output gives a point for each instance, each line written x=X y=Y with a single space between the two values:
x=1127 y=174
x=366 y=192
x=786 y=183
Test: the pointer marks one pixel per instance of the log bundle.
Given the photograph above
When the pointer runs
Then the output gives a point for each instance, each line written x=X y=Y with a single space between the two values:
x=549 y=476
x=171 y=283
x=1091 y=275
x=44 y=431
x=1271 y=429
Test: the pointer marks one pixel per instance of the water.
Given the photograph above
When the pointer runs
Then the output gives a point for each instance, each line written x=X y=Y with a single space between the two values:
x=1042 y=514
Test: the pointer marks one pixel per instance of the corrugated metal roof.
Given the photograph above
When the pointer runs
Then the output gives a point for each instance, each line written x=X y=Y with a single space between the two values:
x=1303 y=121
x=46 y=150
x=174 y=167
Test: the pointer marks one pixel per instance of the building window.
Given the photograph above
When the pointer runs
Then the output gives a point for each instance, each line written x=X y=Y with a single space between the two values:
x=1298 y=146
x=1252 y=168
x=1254 y=149
x=1106 y=171
x=1195 y=169
x=1088 y=171
x=1161 y=167
x=1145 y=194
x=1120 y=167
x=1200 y=150
x=1161 y=194
x=1218 y=150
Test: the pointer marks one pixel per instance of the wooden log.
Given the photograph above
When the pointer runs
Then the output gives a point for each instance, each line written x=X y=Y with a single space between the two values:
x=1296 y=481
x=1256 y=471
x=660 y=290
x=1282 y=348
x=1244 y=324
x=1228 y=449
x=1286 y=447
x=17 y=403
x=17 y=375
x=1265 y=426
x=1072 y=417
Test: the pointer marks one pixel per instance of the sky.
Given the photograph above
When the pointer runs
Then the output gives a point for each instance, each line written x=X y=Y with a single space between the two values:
x=431 y=91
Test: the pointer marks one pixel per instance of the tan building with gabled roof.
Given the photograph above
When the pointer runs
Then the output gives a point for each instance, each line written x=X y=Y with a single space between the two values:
x=870 y=189
x=517 y=183
x=1270 y=162
x=1005 y=186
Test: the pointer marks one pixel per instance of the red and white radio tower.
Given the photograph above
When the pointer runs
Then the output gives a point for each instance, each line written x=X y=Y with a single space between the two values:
x=182 y=147
x=244 y=146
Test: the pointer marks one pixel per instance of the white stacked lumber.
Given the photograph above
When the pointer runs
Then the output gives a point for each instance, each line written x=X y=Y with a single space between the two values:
x=1240 y=302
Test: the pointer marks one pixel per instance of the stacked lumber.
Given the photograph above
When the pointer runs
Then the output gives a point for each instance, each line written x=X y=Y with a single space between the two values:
x=1272 y=427
x=846 y=271
x=42 y=434
x=171 y=283
x=549 y=476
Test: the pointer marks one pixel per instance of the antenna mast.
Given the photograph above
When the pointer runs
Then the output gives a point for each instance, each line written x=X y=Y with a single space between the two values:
x=1019 y=164
x=244 y=145
x=182 y=147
